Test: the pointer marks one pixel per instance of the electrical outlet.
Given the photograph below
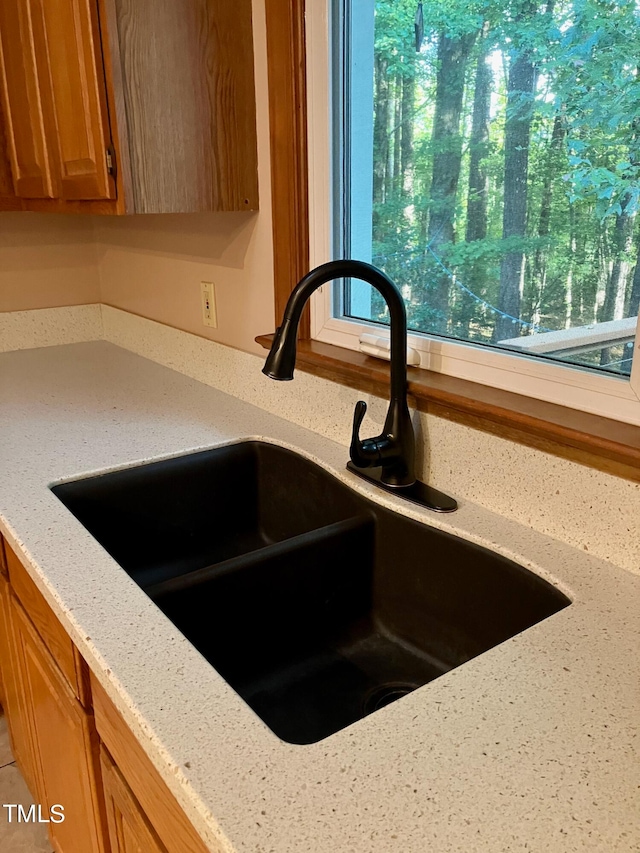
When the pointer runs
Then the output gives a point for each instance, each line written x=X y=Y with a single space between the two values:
x=209 y=313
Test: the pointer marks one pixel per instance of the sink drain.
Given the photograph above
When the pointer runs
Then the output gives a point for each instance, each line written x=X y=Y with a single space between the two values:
x=385 y=694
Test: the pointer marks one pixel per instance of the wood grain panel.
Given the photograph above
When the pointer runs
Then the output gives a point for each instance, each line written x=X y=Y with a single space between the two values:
x=53 y=634
x=129 y=829
x=598 y=442
x=227 y=30
x=71 y=77
x=22 y=103
x=66 y=748
x=288 y=133
x=187 y=74
x=155 y=798
x=114 y=85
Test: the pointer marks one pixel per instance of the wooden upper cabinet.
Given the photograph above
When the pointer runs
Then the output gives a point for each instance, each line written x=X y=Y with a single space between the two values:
x=66 y=35
x=129 y=106
x=184 y=96
x=8 y=198
x=22 y=103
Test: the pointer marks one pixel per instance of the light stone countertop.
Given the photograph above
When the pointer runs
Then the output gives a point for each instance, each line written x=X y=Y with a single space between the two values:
x=531 y=746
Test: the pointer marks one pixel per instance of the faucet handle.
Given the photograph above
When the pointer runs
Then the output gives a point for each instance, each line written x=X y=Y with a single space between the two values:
x=358 y=416
x=364 y=454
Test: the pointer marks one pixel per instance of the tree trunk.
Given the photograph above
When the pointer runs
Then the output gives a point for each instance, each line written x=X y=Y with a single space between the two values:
x=544 y=218
x=613 y=306
x=520 y=90
x=380 y=140
x=475 y=272
x=397 y=135
x=406 y=144
x=447 y=155
x=478 y=149
x=633 y=308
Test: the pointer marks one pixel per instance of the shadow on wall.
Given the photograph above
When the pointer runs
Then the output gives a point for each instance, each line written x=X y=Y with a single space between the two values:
x=46 y=260
x=26 y=230
x=152 y=265
x=219 y=238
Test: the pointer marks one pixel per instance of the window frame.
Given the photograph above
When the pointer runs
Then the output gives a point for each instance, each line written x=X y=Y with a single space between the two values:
x=600 y=442
x=583 y=389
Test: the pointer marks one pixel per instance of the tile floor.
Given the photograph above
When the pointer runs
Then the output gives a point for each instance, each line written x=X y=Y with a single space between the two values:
x=16 y=837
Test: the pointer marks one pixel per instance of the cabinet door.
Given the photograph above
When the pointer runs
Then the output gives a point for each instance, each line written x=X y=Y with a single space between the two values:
x=66 y=34
x=8 y=198
x=4 y=576
x=129 y=828
x=22 y=103
x=14 y=693
x=161 y=808
x=65 y=745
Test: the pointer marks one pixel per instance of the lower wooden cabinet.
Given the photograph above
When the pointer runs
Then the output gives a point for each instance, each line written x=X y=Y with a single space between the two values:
x=129 y=828
x=14 y=692
x=65 y=747
x=149 y=789
x=55 y=742
x=61 y=724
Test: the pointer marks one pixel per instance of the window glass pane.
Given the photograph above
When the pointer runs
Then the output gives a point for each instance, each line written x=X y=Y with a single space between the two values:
x=490 y=157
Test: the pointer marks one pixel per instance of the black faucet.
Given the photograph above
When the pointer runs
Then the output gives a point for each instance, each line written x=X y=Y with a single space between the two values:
x=392 y=453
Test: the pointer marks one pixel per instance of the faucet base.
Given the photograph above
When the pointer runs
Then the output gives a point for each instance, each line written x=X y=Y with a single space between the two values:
x=418 y=492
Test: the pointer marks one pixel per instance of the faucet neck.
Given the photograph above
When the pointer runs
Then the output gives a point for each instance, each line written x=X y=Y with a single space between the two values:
x=394 y=449
x=287 y=333
x=390 y=455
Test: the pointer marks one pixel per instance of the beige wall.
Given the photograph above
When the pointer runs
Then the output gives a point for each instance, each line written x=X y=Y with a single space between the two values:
x=46 y=261
x=153 y=265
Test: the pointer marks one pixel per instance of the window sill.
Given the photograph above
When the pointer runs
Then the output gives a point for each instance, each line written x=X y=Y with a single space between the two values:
x=598 y=442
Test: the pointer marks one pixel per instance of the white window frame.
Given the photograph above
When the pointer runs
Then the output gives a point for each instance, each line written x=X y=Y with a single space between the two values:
x=609 y=396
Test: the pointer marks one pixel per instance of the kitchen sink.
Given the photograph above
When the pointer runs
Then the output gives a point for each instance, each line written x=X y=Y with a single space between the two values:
x=315 y=604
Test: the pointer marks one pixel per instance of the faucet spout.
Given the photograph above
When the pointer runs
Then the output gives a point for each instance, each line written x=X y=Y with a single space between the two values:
x=394 y=448
x=392 y=453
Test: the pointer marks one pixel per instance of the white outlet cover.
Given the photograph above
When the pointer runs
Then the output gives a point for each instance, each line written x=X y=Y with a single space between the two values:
x=209 y=310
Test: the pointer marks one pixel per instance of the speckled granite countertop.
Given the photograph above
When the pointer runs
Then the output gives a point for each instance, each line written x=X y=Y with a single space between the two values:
x=530 y=747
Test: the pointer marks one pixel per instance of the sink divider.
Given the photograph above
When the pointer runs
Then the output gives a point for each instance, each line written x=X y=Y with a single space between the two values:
x=252 y=558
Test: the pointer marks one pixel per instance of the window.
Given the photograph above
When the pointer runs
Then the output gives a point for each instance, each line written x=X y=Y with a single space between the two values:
x=488 y=159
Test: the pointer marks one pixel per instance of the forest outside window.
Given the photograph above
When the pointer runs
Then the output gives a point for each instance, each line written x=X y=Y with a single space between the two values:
x=487 y=158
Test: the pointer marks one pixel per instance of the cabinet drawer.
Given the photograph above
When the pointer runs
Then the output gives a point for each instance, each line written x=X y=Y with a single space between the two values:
x=51 y=631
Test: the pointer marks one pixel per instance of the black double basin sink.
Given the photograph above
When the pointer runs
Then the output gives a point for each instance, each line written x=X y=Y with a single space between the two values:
x=315 y=604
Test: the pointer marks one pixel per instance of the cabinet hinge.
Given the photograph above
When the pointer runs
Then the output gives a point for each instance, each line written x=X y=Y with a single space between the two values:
x=111 y=160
